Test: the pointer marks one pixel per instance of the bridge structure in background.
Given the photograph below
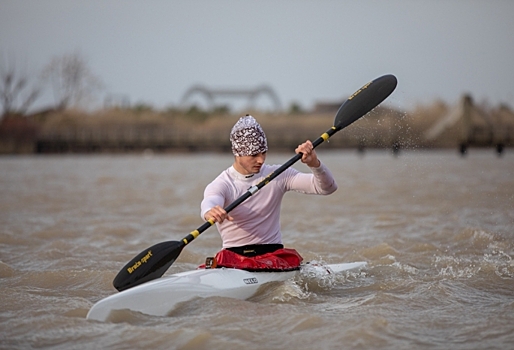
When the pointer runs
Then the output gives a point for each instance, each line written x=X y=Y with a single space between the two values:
x=211 y=95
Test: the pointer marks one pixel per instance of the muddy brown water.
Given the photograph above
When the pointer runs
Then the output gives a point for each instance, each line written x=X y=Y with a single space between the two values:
x=436 y=229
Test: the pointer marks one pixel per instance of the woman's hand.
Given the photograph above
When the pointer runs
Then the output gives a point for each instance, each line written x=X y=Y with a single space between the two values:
x=309 y=156
x=217 y=214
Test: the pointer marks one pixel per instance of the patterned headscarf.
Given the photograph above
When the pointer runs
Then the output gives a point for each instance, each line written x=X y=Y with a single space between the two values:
x=247 y=137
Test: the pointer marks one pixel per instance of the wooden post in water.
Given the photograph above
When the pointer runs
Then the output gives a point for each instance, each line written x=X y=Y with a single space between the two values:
x=465 y=132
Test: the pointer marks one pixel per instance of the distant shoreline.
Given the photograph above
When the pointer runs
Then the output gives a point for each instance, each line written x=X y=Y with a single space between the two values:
x=132 y=131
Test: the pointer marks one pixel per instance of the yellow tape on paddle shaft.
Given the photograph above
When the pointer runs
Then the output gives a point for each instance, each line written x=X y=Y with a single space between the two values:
x=325 y=136
x=196 y=233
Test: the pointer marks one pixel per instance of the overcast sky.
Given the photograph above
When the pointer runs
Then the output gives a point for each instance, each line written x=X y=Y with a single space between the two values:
x=307 y=51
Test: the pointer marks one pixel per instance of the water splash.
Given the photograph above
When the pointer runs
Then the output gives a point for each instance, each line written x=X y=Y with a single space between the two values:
x=316 y=277
x=453 y=267
x=292 y=290
x=502 y=262
x=475 y=252
x=313 y=277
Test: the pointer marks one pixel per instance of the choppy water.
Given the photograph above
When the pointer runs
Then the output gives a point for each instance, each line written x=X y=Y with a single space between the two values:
x=436 y=229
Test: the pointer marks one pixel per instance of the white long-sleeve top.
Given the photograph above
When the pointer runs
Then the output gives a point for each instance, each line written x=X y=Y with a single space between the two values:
x=257 y=220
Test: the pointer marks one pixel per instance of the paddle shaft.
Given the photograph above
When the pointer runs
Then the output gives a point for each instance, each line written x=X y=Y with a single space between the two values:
x=153 y=262
x=325 y=136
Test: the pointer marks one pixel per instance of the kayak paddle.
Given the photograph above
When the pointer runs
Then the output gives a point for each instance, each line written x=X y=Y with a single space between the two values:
x=153 y=262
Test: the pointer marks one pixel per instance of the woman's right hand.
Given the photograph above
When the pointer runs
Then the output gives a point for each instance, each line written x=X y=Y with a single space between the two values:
x=218 y=214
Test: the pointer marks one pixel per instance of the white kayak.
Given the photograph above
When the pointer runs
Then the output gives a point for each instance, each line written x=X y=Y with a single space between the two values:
x=159 y=297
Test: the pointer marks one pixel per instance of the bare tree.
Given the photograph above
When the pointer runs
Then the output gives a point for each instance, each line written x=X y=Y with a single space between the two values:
x=72 y=81
x=17 y=93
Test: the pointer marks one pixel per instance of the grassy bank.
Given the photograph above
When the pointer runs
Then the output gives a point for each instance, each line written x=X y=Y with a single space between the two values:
x=136 y=129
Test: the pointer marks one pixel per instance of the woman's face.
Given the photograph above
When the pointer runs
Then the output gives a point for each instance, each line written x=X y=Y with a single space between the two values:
x=247 y=165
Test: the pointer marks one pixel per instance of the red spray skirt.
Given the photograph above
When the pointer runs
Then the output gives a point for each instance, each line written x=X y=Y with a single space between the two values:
x=285 y=259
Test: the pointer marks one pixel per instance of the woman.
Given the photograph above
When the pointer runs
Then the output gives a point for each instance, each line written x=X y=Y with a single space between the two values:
x=251 y=232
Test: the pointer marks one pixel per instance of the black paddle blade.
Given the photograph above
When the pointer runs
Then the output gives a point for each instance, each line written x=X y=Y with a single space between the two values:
x=364 y=100
x=150 y=264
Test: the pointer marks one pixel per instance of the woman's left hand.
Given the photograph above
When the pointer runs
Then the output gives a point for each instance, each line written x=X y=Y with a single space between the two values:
x=309 y=156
